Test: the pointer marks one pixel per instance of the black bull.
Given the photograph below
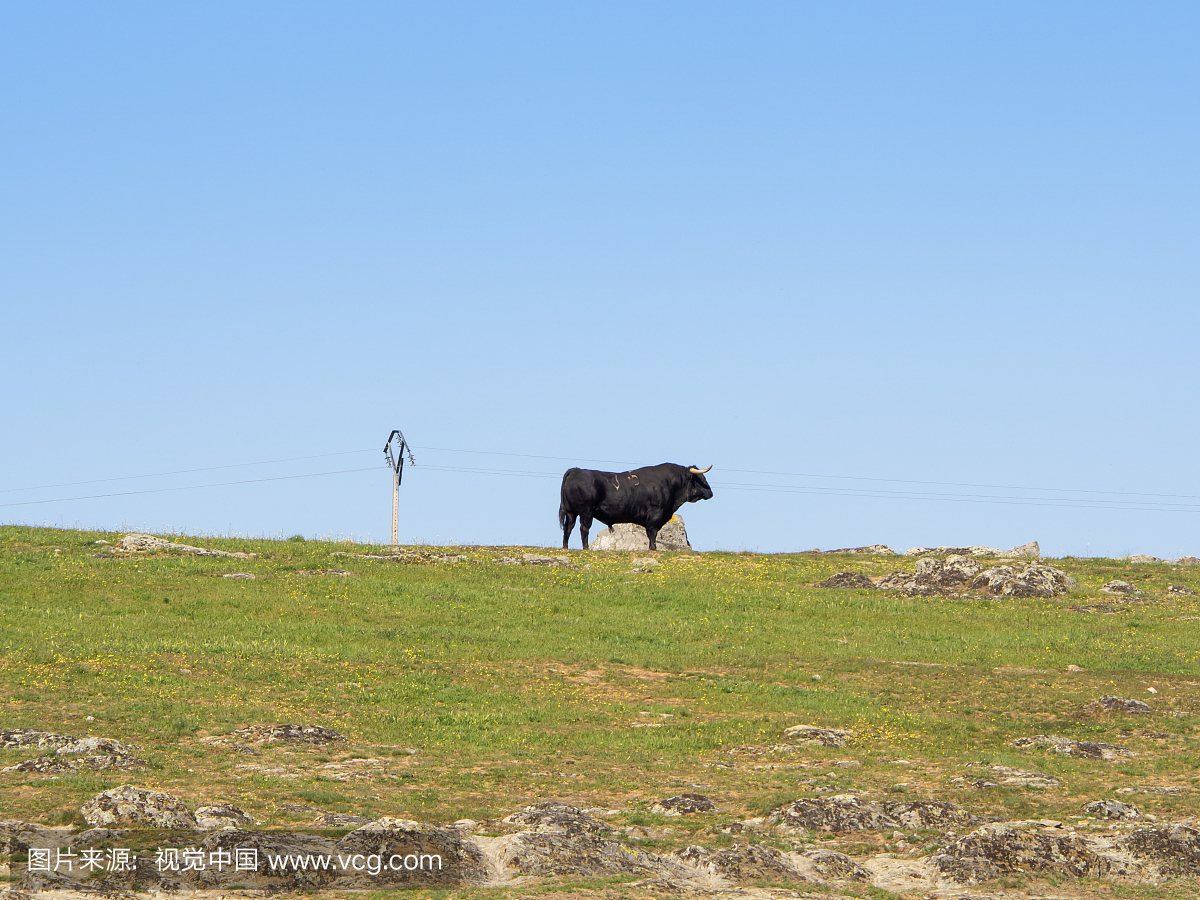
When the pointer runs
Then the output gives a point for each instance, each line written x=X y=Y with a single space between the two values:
x=646 y=497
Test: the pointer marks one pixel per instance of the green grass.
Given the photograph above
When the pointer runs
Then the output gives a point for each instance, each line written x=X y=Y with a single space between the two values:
x=518 y=683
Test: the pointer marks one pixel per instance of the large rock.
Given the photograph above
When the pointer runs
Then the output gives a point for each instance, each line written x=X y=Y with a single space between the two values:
x=1034 y=580
x=552 y=817
x=588 y=855
x=871 y=550
x=1069 y=747
x=1016 y=847
x=847 y=812
x=624 y=536
x=851 y=580
x=682 y=805
x=133 y=807
x=1030 y=550
x=933 y=576
x=141 y=543
x=744 y=864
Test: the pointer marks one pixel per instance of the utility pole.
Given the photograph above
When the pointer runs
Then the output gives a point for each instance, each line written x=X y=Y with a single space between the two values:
x=395 y=460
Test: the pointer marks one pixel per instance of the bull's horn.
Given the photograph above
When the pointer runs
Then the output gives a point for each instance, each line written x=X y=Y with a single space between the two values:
x=698 y=471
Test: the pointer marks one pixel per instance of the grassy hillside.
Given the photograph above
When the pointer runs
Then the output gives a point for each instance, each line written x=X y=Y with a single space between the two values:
x=592 y=685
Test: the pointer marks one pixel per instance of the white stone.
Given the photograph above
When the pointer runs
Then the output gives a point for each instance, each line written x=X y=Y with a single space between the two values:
x=625 y=536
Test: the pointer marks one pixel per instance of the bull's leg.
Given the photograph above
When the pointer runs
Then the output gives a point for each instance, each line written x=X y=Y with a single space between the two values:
x=568 y=527
x=585 y=524
x=652 y=533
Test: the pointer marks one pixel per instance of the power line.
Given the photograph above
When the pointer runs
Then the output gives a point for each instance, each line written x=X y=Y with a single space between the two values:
x=265 y=462
x=819 y=490
x=191 y=487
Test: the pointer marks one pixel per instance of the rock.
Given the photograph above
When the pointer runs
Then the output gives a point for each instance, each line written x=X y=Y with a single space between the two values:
x=648 y=562
x=1176 y=848
x=682 y=805
x=626 y=536
x=1012 y=847
x=1118 y=704
x=316 y=735
x=533 y=559
x=1186 y=561
x=846 y=812
x=95 y=746
x=17 y=837
x=132 y=807
x=1030 y=550
x=743 y=863
x=552 y=817
x=1143 y=558
x=223 y=815
x=1021 y=778
x=1069 y=747
x=140 y=543
x=829 y=865
x=1112 y=809
x=930 y=814
x=49 y=765
x=584 y=854
x=1119 y=587
x=1035 y=580
x=966 y=870
x=244 y=575
x=872 y=550
x=459 y=860
x=28 y=737
x=1180 y=590
x=337 y=573
x=854 y=580
x=933 y=576
x=814 y=735
x=341 y=820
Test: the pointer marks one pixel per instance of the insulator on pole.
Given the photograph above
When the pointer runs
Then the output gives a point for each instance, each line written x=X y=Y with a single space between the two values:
x=395 y=460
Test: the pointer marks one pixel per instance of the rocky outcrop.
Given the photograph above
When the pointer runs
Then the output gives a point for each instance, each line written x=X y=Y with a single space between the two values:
x=1034 y=580
x=1118 y=587
x=40 y=740
x=1069 y=747
x=132 y=807
x=817 y=736
x=1030 y=550
x=552 y=817
x=537 y=559
x=1118 y=704
x=313 y=735
x=933 y=576
x=745 y=864
x=1111 y=809
x=141 y=543
x=682 y=805
x=223 y=815
x=556 y=839
x=589 y=855
x=1175 y=849
x=1020 y=847
x=850 y=580
x=625 y=536
x=872 y=550
x=847 y=812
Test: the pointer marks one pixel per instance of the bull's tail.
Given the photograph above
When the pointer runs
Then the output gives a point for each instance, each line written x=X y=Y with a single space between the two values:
x=563 y=515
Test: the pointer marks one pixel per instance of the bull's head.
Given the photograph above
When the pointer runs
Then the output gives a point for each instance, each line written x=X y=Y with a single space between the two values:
x=698 y=488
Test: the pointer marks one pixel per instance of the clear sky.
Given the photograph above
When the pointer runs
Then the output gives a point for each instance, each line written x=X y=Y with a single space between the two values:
x=933 y=265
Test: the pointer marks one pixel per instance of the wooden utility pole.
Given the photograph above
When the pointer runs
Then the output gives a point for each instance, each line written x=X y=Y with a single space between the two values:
x=395 y=460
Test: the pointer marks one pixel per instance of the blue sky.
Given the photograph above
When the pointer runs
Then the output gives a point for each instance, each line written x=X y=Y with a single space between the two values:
x=906 y=248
